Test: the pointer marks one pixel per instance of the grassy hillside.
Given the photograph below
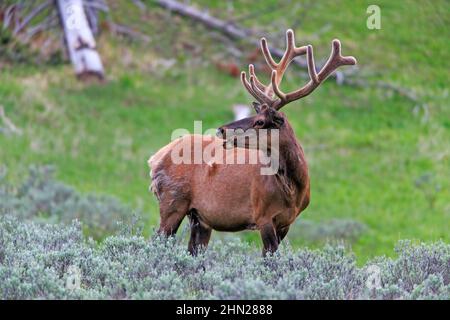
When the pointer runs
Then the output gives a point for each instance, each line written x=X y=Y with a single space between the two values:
x=374 y=156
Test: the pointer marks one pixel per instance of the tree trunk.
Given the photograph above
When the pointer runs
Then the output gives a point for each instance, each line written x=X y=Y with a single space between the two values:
x=79 y=40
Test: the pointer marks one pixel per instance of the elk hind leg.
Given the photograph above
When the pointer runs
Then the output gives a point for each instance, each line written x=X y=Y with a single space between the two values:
x=281 y=233
x=269 y=238
x=200 y=234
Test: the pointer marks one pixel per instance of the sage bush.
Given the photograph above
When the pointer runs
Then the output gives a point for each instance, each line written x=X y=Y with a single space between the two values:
x=54 y=261
x=42 y=198
x=332 y=230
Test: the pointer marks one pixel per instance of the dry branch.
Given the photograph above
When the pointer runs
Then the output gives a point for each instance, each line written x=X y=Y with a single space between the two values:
x=8 y=123
x=237 y=33
x=234 y=32
x=129 y=32
x=35 y=12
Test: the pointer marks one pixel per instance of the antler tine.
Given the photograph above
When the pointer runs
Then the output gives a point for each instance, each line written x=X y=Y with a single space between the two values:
x=334 y=61
x=290 y=40
x=311 y=70
x=276 y=89
x=264 y=94
x=251 y=72
x=267 y=54
x=291 y=52
x=247 y=85
x=250 y=86
x=263 y=98
x=311 y=64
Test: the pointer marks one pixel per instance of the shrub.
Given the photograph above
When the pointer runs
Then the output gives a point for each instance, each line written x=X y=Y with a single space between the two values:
x=42 y=198
x=42 y=261
x=334 y=230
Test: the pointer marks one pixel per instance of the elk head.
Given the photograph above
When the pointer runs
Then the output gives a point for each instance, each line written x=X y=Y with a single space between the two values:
x=266 y=118
x=270 y=99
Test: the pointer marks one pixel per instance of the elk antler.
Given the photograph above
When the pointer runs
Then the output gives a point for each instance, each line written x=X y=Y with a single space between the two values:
x=265 y=94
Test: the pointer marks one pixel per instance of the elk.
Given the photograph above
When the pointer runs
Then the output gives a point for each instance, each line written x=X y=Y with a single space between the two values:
x=234 y=197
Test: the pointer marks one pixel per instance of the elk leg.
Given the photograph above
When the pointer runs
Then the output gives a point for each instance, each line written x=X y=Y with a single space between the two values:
x=269 y=238
x=170 y=221
x=200 y=234
x=281 y=233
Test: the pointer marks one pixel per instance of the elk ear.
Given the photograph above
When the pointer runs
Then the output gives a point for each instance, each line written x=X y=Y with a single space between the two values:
x=257 y=106
x=278 y=120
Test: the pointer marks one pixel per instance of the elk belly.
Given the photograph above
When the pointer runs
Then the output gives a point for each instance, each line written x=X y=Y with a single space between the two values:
x=223 y=200
x=232 y=216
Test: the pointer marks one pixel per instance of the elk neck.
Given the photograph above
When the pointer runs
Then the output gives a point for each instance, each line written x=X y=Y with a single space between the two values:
x=292 y=157
x=292 y=174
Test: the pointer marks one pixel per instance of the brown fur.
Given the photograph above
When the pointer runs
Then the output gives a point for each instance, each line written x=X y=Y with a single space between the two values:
x=236 y=197
x=231 y=197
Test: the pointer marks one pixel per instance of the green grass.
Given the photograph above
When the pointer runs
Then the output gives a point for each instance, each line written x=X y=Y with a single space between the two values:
x=366 y=148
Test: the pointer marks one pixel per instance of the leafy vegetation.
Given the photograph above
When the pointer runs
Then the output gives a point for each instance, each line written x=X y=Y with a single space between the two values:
x=41 y=198
x=374 y=157
x=57 y=262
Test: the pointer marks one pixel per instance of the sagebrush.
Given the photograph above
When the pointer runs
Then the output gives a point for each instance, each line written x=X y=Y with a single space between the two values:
x=37 y=261
x=42 y=198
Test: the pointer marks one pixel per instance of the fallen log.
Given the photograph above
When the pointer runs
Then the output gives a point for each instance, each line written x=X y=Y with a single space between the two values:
x=79 y=40
x=233 y=31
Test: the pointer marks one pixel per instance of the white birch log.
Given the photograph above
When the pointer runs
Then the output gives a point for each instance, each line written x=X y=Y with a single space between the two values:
x=79 y=39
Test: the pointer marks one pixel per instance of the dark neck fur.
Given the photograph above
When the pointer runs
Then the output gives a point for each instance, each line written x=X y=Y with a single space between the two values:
x=292 y=160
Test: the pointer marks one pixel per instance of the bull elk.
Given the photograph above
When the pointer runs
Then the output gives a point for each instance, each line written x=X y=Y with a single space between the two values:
x=235 y=197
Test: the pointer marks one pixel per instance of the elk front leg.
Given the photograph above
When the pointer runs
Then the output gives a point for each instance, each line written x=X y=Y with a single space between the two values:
x=170 y=224
x=200 y=235
x=171 y=217
x=269 y=238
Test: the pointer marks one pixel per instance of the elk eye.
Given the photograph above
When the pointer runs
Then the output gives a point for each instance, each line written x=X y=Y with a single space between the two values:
x=259 y=123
